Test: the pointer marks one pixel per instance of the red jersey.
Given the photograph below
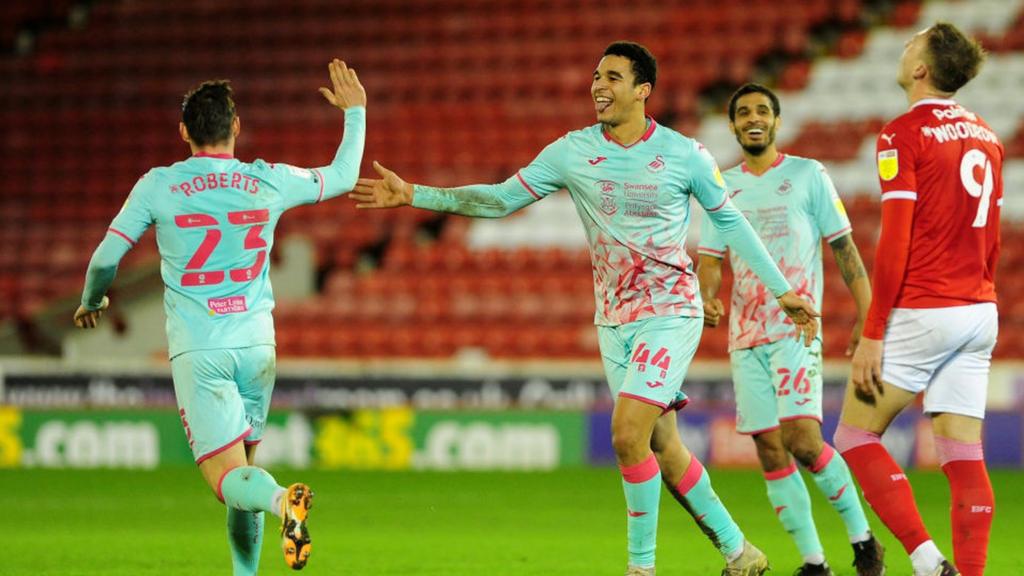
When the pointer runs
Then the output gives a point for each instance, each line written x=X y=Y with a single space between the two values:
x=940 y=167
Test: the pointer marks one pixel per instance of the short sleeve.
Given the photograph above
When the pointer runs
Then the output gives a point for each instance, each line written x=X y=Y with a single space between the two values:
x=828 y=210
x=136 y=216
x=897 y=159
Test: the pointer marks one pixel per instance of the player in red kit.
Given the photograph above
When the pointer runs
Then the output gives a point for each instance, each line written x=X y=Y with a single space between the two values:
x=933 y=322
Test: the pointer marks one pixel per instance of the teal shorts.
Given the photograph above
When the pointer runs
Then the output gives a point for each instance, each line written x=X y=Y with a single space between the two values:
x=223 y=396
x=647 y=360
x=776 y=382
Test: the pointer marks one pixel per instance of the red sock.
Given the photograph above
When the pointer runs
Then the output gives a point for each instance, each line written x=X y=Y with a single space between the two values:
x=888 y=491
x=971 y=512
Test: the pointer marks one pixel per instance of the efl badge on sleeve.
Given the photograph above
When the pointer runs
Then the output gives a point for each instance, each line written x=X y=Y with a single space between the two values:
x=888 y=164
x=718 y=177
x=840 y=208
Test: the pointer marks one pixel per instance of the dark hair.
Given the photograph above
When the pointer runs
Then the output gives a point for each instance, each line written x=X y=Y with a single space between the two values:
x=753 y=88
x=645 y=68
x=208 y=112
x=953 y=58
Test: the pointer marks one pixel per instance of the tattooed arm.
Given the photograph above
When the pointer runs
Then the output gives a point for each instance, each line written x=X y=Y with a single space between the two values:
x=856 y=277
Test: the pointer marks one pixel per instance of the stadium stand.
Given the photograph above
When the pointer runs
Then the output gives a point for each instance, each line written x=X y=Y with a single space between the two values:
x=460 y=91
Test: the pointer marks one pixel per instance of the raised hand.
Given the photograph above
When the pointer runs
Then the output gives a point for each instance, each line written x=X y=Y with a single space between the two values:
x=85 y=318
x=347 y=90
x=388 y=191
x=803 y=315
x=713 y=312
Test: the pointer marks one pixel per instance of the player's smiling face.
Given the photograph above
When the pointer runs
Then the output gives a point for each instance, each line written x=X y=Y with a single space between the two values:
x=614 y=90
x=755 y=124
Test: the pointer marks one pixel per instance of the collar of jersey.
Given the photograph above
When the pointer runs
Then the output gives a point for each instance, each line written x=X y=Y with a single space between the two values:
x=778 y=160
x=934 y=102
x=208 y=155
x=647 y=135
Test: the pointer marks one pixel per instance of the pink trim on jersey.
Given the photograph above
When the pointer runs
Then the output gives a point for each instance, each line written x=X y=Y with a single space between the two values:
x=220 y=483
x=642 y=472
x=647 y=135
x=209 y=455
x=780 y=474
x=778 y=160
x=208 y=155
x=719 y=207
x=661 y=405
x=122 y=235
x=800 y=417
x=253 y=442
x=321 y=177
x=527 y=186
x=832 y=237
x=677 y=405
x=951 y=450
x=712 y=251
x=827 y=453
x=690 y=478
x=762 y=431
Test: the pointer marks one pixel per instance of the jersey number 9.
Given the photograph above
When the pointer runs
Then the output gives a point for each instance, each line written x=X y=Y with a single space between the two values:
x=972 y=160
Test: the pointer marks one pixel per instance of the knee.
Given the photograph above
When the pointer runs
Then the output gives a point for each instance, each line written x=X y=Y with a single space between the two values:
x=628 y=439
x=805 y=446
x=772 y=454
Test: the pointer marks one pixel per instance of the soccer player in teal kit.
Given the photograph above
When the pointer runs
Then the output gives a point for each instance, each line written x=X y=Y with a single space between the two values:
x=632 y=180
x=215 y=219
x=793 y=206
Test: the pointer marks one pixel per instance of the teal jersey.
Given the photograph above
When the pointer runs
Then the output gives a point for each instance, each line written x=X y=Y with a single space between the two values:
x=635 y=206
x=215 y=218
x=792 y=206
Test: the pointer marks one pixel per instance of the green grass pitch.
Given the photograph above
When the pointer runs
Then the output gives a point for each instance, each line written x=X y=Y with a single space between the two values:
x=568 y=522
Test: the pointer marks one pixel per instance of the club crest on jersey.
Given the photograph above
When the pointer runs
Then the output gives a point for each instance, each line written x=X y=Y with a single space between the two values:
x=656 y=165
x=888 y=164
x=785 y=188
x=607 y=190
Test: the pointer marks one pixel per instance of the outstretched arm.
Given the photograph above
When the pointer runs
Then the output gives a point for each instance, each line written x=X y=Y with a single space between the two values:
x=541 y=177
x=856 y=277
x=479 y=200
